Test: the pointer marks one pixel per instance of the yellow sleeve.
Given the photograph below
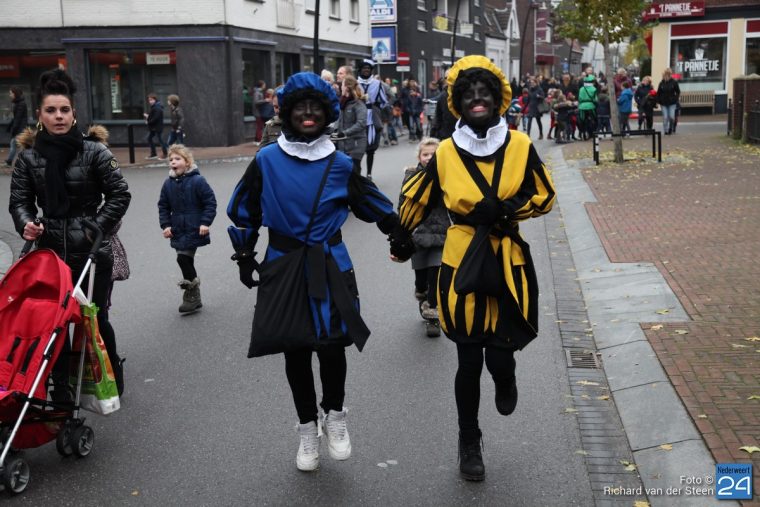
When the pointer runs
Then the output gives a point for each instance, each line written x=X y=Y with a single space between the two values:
x=536 y=195
x=420 y=195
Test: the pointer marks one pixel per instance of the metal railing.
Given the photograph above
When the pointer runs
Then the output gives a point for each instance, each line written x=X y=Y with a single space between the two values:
x=730 y=121
x=656 y=141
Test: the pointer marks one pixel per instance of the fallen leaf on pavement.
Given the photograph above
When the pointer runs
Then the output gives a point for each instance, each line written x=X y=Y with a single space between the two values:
x=641 y=503
x=587 y=383
x=750 y=449
x=702 y=416
x=753 y=339
x=571 y=410
x=663 y=311
x=629 y=467
x=582 y=452
x=656 y=327
x=605 y=397
x=135 y=493
x=754 y=397
x=739 y=346
x=681 y=331
x=666 y=447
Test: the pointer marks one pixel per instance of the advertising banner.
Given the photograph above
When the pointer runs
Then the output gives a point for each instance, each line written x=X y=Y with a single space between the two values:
x=382 y=11
x=384 y=48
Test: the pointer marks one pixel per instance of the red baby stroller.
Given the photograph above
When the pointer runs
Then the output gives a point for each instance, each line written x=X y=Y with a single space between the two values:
x=37 y=304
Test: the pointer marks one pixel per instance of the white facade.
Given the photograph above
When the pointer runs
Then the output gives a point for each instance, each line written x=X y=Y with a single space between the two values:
x=349 y=22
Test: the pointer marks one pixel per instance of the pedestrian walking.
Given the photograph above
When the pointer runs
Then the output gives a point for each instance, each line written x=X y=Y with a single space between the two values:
x=668 y=93
x=492 y=178
x=155 y=121
x=536 y=105
x=186 y=210
x=603 y=111
x=646 y=109
x=177 y=135
x=18 y=122
x=273 y=127
x=301 y=188
x=259 y=100
x=352 y=123
x=428 y=240
x=641 y=94
x=376 y=101
x=587 y=99
x=73 y=179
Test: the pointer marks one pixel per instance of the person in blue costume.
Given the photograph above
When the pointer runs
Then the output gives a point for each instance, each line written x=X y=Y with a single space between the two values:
x=301 y=189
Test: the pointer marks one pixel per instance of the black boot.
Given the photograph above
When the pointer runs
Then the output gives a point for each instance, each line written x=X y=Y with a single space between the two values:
x=506 y=396
x=471 y=465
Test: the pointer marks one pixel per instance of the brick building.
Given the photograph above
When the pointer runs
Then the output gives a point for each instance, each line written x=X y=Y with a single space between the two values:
x=707 y=44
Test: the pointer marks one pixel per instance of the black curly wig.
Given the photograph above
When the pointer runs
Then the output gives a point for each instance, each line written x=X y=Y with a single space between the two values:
x=56 y=82
x=286 y=106
x=469 y=77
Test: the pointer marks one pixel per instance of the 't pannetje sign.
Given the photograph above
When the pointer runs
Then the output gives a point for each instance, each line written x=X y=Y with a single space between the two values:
x=675 y=10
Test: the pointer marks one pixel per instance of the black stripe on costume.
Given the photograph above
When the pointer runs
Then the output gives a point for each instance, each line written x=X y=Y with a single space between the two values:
x=445 y=277
x=518 y=280
x=479 y=316
x=460 y=313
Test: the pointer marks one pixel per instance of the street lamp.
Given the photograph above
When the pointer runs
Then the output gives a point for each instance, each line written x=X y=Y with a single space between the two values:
x=531 y=5
x=454 y=33
x=316 y=38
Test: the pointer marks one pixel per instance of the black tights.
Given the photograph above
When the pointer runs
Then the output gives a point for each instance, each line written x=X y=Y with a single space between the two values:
x=370 y=161
x=501 y=365
x=187 y=265
x=332 y=372
x=538 y=122
x=426 y=280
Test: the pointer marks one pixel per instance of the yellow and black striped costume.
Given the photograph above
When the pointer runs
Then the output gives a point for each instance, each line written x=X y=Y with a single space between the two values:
x=526 y=189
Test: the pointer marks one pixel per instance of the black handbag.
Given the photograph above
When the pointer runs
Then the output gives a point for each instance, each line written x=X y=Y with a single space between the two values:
x=282 y=319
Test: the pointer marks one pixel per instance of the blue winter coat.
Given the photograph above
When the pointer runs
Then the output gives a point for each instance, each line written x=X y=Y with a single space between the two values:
x=625 y=101
x=186 y=203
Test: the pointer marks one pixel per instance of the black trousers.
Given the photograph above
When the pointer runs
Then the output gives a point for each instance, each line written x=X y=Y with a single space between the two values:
x=187 y=265
x=426 y=280
x=101 y=290
x=332 y=372
x=501 y=365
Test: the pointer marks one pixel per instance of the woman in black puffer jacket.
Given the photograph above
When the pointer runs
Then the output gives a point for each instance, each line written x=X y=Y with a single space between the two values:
x=71 y=178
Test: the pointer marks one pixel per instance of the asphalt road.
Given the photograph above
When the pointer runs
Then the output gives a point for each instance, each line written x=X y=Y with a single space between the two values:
x=202 y=425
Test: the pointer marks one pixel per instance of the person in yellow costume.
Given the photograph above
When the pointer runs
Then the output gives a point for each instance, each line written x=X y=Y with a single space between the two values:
x=489 y=178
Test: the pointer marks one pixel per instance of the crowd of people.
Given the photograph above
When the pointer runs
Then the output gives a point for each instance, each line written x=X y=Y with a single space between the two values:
x=579 y=106
x=475 y=179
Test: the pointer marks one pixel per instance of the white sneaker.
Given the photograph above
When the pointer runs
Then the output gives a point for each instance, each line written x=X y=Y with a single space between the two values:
x=338 y=441
x=427 y=312
x=307 y=459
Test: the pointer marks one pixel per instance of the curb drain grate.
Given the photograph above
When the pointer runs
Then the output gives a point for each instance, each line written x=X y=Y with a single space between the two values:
x=579 y=358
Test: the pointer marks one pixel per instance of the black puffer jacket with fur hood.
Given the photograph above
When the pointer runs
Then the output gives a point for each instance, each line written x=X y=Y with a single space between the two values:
x=96 y=191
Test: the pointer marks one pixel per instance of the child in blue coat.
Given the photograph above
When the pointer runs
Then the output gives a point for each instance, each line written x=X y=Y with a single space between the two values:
x=186 y=209
x=625 y=106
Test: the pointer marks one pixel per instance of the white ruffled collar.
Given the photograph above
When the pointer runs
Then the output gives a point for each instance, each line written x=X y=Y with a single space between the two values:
x=317 y=149
x=468 y=140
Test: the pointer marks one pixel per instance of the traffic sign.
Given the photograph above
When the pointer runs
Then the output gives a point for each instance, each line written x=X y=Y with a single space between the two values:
x=402 y=58
x=403 y=68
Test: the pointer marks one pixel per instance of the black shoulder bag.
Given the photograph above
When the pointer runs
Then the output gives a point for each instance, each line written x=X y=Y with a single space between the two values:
x=282 y=319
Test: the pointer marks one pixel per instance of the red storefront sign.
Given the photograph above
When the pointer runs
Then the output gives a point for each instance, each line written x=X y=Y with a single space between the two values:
x=675 y=10
x=10 y=66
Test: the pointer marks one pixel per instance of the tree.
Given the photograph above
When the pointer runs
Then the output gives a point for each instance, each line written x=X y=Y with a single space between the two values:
x=607 y=21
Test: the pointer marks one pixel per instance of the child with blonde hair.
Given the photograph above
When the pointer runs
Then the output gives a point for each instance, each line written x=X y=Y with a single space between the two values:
x=428 y=240
x=186 y=209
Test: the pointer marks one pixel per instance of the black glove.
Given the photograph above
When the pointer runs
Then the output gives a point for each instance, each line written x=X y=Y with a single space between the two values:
x=487 y=211
x=247 y=265
x=402 y=246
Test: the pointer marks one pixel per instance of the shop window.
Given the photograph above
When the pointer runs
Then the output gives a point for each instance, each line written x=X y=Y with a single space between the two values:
x=23 y=71
x=256 y=67
x=699 y=63
x=354 y=11
x=286 y=64
x=752 y=65
x=122 y=79
x=422 y=25
x=421 y=5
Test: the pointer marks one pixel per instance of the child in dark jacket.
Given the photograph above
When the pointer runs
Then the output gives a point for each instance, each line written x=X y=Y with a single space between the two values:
x=428 y=239
x=186 y=209
x=646 y=109
x=562 y=108
x=603 y=111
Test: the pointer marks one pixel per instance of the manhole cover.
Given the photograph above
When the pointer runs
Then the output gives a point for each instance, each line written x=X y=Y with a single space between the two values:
x=579 y=358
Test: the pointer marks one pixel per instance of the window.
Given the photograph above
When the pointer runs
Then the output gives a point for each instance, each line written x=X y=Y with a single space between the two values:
x=256 y=67
x=476 y=20
x=122 y=79
x=421 y=5
x=335 y=9
x=476 y=36
x=476 y=3
x=354 y=14
x=286 y=13
x=422 y=25
x=753 y=56
x=24 y=70
x=699 y=63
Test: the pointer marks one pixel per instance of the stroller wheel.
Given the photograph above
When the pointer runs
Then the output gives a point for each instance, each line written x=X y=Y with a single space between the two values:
x=16 y=475
x=63 y=440
x=82 y=439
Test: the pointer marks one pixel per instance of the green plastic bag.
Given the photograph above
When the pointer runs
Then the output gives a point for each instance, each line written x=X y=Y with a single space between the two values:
x=99 y=392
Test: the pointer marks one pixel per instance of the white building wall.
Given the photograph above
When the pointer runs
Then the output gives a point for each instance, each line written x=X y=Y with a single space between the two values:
x=282 y=16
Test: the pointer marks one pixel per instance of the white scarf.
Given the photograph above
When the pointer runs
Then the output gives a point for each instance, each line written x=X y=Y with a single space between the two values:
x=468 y=140
x=315 y=150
